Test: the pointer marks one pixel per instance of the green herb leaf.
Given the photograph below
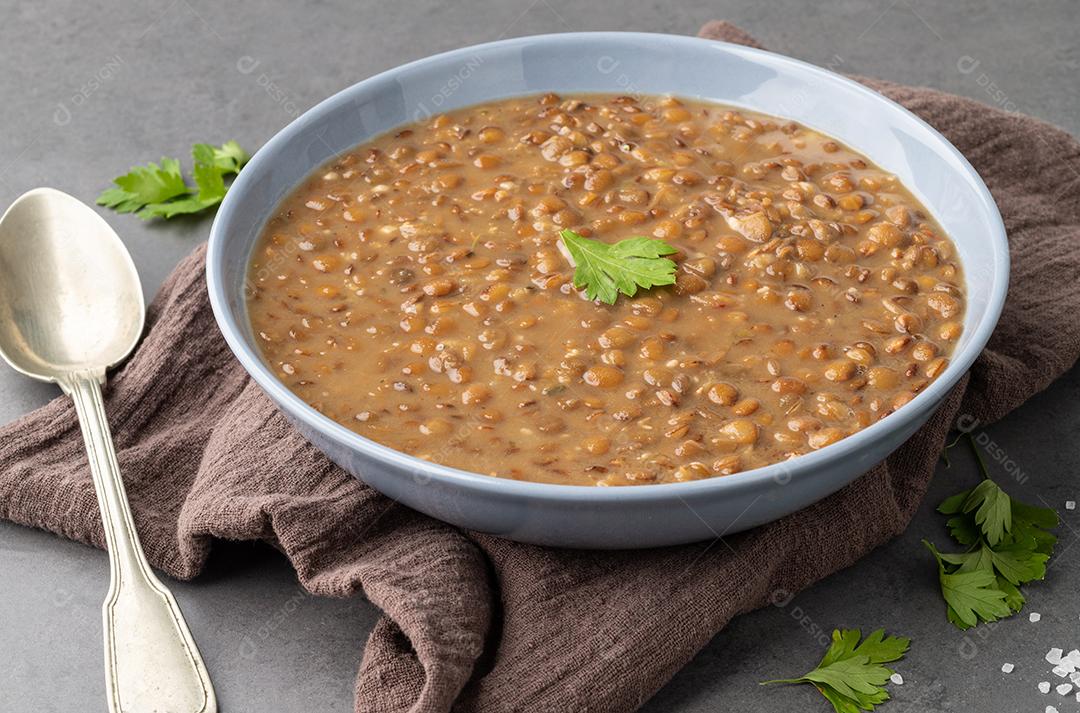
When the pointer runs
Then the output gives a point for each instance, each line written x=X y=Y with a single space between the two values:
x=963 y=529
x=993 y=510
x=851 y=676
x=119 y=200
x=1046 y=518
x=1009 y=543
x=229 y=157
x=154 y=191
x=1014 y=598
x=970 y=591
x=210 y=181
x=953 y=504
x=145 y=184
x=606 y=269
x=1019 y=562
x=184 y=206
x=1016 y=562
x=1025 y=530
x=973 y=596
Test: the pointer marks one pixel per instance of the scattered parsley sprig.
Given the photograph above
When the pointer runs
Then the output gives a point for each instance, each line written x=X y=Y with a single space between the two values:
x=606 y=269
x=160 y=191
x=1009 y=543
x=851 y=675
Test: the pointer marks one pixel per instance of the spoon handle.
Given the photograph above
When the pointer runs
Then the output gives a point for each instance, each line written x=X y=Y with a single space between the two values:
x=151 y=661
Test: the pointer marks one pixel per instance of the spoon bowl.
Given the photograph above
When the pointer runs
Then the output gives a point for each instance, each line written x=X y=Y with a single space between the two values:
x=70 y=298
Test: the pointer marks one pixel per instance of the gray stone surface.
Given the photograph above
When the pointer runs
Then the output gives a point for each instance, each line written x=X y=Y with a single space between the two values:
x=91 y=87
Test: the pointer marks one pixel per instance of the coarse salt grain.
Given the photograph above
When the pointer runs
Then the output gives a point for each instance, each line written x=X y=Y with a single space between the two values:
x=1074 y=657
x=1053 y=656
x=1063 y=689
x=1060 y=671
x=1051 y=709
x=1070 y=504
x=1075 y=677
x=1044 y=687
x=897 y=679
x=1007 y=668
x=1034 y=617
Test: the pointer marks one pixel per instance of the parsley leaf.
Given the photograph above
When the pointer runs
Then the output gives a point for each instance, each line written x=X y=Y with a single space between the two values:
x=154 y=191
x=1019 y=562
x=1027 y=521
x=963 y=529
x=1014 y=598
x=851 y=676
x=229 y=157
x=970 y=590
x=210 y=181
x=1032 y=521
x=184 y=206
x=1008 y=542
x=145 y=184
x=606 y=269
x=993 y=510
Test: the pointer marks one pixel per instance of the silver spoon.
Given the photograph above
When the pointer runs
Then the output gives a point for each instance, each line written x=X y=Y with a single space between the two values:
x=70 y=307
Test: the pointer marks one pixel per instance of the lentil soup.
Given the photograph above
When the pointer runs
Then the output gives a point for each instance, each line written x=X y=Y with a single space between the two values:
x=415 y=290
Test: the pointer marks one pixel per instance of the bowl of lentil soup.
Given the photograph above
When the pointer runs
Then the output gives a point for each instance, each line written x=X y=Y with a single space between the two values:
x=392 y=269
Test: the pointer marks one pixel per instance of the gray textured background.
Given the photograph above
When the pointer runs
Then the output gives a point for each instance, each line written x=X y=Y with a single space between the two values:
x=92 y=87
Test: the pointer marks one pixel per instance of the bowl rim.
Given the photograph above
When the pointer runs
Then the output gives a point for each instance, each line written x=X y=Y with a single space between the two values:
x=583 y=494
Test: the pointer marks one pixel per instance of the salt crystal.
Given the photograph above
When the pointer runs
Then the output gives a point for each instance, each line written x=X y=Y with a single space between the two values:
x=1034 y=617
x=1074 y=657
x=1070 y=504
x=1060 y=671
x=1053 y=656
x=1008 y=668
x=899 y=680
x=1078 y=696
x=1063 y=689
x=1044 y=687
x=1075 y=677
x=1051 y=709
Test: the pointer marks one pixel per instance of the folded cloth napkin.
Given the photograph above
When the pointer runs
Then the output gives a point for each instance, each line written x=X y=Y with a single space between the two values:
x=476 y=623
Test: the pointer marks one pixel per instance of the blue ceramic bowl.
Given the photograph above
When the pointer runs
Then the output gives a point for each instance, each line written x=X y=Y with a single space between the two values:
x=645 y=515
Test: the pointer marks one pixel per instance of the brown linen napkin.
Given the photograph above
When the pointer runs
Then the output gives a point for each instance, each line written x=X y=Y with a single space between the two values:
x=482 y=624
